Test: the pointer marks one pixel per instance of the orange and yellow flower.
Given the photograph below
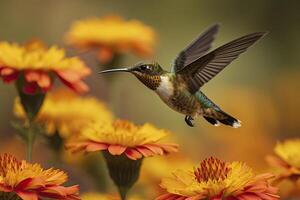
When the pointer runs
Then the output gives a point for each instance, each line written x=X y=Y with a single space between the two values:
x=31 y=182
x=112 y=35
x=287 y=159
x=35 y=66
x=67 y=113
x=218 y=180
x=123 y=138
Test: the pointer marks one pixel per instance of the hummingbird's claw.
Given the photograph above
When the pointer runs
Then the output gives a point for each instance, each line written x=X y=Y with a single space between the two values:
x=189 y=120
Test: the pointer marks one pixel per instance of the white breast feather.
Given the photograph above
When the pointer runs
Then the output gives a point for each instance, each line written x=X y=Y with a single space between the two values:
x=165 y=89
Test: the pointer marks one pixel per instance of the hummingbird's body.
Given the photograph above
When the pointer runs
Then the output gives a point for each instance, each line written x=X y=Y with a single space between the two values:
x=180 y=88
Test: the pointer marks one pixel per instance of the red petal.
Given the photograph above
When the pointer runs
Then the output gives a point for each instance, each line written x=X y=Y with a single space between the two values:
x=30 y=88
x=8 y=74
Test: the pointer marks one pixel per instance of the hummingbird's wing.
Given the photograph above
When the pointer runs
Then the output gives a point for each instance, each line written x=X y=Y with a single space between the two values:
x=196 y=48
x=205 y=68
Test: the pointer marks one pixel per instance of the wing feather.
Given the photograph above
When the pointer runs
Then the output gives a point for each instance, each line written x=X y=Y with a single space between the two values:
x=208 y=66
x=195 y=49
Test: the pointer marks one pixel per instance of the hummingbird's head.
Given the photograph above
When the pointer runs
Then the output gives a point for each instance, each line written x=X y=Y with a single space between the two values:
x=148 y=73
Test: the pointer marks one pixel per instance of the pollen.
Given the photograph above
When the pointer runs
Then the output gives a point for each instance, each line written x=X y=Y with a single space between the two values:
x=211 y=169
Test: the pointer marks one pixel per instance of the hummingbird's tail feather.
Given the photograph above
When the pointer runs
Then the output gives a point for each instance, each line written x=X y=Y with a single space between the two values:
x=212 y=121
x=228 y=120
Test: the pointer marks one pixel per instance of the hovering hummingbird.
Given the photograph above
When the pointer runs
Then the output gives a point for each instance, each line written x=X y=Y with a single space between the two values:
x=193 y=67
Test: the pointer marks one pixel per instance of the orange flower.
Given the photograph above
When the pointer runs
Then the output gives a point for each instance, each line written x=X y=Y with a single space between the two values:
x=57 y=112
x=32 y=182
x=34 y=66
x=123 y=137
x=287 y=159
x=112 y=35
x=218 y=180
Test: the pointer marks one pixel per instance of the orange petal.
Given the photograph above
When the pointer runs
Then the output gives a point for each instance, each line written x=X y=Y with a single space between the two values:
x=92 y=146
x=168 y=148
x=277 y=162
x=133 y=154
x=4 y=188
x=167 y=196
x=32 y=76
x=79 y=87
x=5 y=71
x=72 y=80
x=145 y=151
x=105 y=55
x=116 y=149
x=27 y=195
x=44 y=80
x=34 y=183
x=156 y=149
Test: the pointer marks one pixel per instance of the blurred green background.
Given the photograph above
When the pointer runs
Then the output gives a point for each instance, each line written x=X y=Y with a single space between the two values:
x=261 y=87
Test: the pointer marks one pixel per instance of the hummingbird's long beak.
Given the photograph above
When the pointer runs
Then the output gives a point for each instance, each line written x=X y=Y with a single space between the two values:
x=114 y=70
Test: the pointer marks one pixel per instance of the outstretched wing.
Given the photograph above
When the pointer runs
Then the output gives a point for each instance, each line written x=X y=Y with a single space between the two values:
x=205 y=68
x=195 y=49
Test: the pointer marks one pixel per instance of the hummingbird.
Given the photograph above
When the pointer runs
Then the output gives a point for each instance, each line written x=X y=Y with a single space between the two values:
x=194 y=66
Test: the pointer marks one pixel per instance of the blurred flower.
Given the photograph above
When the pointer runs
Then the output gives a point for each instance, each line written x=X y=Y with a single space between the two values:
x=68 y=113
x=262 y=126
x=31 y=181
x=287 y=159
x=112 y=35
x=123 y=137
x=155 y=168
x=123 y=145
x=98 y=196
x=34 y=67
x=215 y=179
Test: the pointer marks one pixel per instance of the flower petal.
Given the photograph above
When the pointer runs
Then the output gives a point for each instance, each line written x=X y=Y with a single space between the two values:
x=156 y=149
x=133 y=154
x=93 y=146
x=8 y=74
x=73 y=80
x=145 y=151
x=116 y=149
x=27 y=195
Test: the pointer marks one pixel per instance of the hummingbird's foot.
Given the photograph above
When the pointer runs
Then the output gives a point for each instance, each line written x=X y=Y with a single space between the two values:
x=189 y=120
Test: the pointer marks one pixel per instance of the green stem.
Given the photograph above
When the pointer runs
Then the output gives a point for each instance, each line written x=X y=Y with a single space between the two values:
x=30 y=141
x=123 y=192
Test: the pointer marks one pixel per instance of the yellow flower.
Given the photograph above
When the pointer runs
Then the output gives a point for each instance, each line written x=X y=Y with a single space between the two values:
x=68 y=113
x=218 y=180
x=123 y=137
x=112 y=35
x=124 y=145
x=98 y=196
x=287 y=159
x=34 y=66
x=289 y=151
x=31 y=181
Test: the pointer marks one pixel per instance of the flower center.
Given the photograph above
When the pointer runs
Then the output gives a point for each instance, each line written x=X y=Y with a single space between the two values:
x=211 y=169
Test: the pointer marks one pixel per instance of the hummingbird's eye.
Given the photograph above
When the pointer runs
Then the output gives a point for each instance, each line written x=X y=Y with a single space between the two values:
x=146 y=67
